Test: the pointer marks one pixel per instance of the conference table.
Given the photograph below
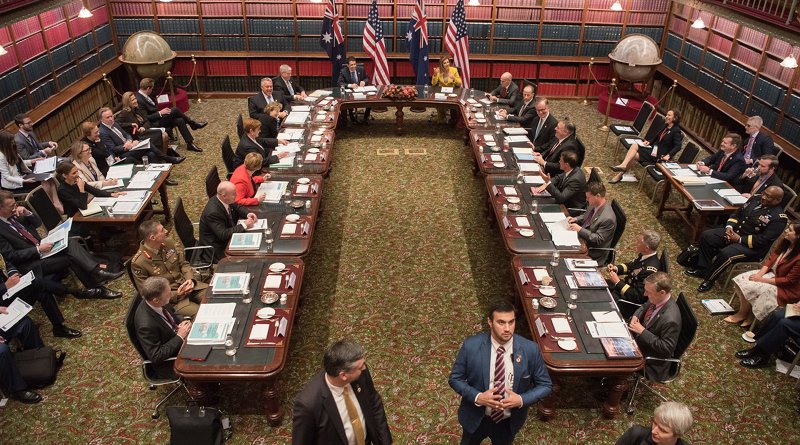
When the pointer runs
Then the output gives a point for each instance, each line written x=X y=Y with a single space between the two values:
x=254 y=361
x=495 y=155
x=314 y=157
x=694 y=191
x=589 y=359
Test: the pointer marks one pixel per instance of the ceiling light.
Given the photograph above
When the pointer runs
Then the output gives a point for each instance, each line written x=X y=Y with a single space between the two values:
x=3 y=51
x=616 y=6
x=789 y=62
x=84 y=13
x=699 y=23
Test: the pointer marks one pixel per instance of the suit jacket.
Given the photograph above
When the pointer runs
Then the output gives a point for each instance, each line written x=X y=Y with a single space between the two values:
x=99 y=153
x=569 y=190
x=167 y=262
x=552 y=153
x=669 y=144
x=316 y=419
x=28 y=150
x=745 y=185
x=345 y=79
x=513 y=99
x=659 y=338
x=279 y=84
x=470 y=376
x=147 y=109
x=112 y=142
x=269 y=127
x=640 y=435
x=527 y=118
x=731 y=169
x=18 y=250
x=11 y=175
x=600 y=231
x=217 y=225
x=762 y=145
x=74 y=200
x=126 y=119
x=257 y=103
x=759 y=226
x=157 y=338
x=245 y=186
x=246 y=145
x=86 y=174
x=631 y=286
x=547 y=133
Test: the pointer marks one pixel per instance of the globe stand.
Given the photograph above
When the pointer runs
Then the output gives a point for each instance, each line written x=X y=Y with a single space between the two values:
x=612 y=87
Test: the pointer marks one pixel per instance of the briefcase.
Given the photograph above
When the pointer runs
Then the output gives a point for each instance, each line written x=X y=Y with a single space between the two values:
x=39 y=367
x=197 y=425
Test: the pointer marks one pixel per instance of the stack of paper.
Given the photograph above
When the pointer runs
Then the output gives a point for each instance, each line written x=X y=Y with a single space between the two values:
x=604 y=329
x=291 y=134
x=213 y=322
x=120 y=171
x=273 y=190
x=515 y=131
x=296 y=118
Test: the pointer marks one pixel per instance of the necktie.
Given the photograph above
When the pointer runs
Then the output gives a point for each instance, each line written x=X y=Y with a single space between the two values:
x=761 y=180
x=289 y=87
x=722 y=162
x=19 y=228
x=118 y=133
x=169 y=318
x=538 y=128
x=270 y=99
x=499 y=380
x=32 y=138
x=588 y=218
x=648 y=314
x=504 y=92
x=748 y=150
x=147 y=98
x=522 y=109
x=355 y=421
x=552 y=150
x=354 y=76
x=230 y=216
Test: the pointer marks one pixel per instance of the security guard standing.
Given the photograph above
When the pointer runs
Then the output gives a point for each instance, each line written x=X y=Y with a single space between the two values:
x=747 y=236
x=631 y=287
x=158 y=257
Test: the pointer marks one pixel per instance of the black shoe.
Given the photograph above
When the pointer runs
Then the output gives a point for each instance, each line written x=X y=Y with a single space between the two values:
x=197 y=125
x=756 y=361
x=65 y=331
x=170 y=182
x=615 y=179
x=109 y=294
x=174 y=160
x=193 y=147
x=746 y=353
x=86 y=293
x=699 y=273
x=104 y=275
x=26 y=396
x=705 y=286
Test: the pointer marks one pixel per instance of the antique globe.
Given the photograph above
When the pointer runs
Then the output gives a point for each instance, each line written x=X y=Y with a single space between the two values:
x=147 y=54
x=635 y=58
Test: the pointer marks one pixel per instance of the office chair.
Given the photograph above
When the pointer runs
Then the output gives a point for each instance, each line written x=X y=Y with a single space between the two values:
x=687 y=156
x=212 y=181
x=789 y=193
x=201 y=258
x=240 y=126
x=227 y=155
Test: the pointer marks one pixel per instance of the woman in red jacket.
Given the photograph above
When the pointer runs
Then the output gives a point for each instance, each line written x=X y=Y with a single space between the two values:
x=245 y=182
x=777 y=283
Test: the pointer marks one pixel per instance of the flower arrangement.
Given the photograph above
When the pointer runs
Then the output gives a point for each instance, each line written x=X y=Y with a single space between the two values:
x=400 y=92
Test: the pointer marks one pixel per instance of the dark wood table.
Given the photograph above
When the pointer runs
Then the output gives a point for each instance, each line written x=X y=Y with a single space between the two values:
x=494 y=155
x=275 y=213
x=697 y=219
x=258 y=364
x=589 y=360
x=306 y=162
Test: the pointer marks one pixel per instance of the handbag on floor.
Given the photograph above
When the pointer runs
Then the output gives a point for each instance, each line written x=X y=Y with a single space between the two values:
x=197 y=425
x=39 y=366
x=688 y=258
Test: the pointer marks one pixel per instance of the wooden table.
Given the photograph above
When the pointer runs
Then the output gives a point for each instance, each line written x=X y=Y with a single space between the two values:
x=690 y=193
x=589 y=360
x=275 y=213
x=498 y=158
x=251 y=363
x=321 y=164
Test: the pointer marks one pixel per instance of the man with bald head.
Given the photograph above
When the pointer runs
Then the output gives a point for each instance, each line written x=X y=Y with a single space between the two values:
x=507 y=94
x=219 y=220
x=747 y=236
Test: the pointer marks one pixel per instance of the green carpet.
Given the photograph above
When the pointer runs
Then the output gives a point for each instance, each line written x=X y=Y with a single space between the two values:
x=404 y=262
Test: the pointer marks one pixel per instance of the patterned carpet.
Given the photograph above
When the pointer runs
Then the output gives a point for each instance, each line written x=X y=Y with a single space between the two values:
x=403 y=262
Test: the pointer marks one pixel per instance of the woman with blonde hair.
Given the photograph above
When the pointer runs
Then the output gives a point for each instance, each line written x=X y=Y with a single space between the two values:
x=270 y=124
x=132 y=121
x=81 y=156
x=445 y=75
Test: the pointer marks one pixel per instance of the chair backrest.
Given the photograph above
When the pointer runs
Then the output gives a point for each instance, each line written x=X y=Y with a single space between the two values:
x=643 y=116
x=528 y=82
x=777 y=150
x=130 y=326
x=212 y=181
x=183 y=225
x=581 y=150
x=129 y=269
x=622 y=221
x=689 y=325
x=240 y=126
x=664 y=261
x=594 y=175
x=227 y=153
x=688 y=154
x=41 y=204
x=789 y=197
x=656 y=127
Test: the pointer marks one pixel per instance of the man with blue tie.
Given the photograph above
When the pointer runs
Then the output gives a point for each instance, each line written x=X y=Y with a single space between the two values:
x=352 y=76
x=498 y=375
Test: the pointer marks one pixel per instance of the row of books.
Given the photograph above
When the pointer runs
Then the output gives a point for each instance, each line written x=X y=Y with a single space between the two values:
x=654 y=33
x=692 y=52
x=566 y=32
x=68 y=76
x=752 y=37
x=563 y=15
x=767 y=112
x=515 y=47
x=268 y=9
x=605 y=16
x=697 y=35
x=31 y=47
x=13 y=107
x=42 y=92
x=607 y=33
x=734 y=97
x=678 y=26
x=552 y=89
x=57 y=34
x=794 y=105
x=710 y=83
x=518 y=15
x=725 y=26
x=515 y=30
x=790 y=130
x=769 y=92
x=597 y=49
x=746 y=56
x=270 y=27
x=740 y=76
x=63 y=125
x=720 y=44
x=132 y=25
x=773 y=69
x=10 y=83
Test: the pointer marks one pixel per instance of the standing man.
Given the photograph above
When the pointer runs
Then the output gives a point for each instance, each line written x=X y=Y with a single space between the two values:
x=498 y=375
x=727 y=163
x=28 y=145
x=631 y=288
x=219 y=220
x=340 y=405
x=507 y=94
x=596 y=227
x=758 y=143
x=657 y=325
x=527 y=111
x=268 y=95
x=352 y=76
x=286 y=85
x=166 y=117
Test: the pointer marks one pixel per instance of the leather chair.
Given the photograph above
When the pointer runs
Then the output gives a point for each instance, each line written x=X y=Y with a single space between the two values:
x=212 y=181
x=656 y=126
x=227 y=155
x=638 y=123
x=240 y=126
x=622 y=221
x=40 y=203
x=201 y=258
x=687 y=156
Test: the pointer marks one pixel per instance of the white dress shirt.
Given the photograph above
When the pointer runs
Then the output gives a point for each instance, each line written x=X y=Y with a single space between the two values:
x=338 y=397
x=509 y=366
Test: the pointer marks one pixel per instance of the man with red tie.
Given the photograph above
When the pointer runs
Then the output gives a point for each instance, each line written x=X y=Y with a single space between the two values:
x=596 y=227
x=758 y=144
x=657 y=325
x=727 y=163
x=507 y=95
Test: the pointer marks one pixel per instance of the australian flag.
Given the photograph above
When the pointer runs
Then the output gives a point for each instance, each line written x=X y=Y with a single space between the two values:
x=331 y=40
x=417 y=37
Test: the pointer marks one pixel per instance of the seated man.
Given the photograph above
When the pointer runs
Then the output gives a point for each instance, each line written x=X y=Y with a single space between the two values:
x=569 y=187
x=251 y=143
x=28 y=145
x=747 y=236
x=256 y=104
x=727 y=163
x=757 y=178
x=547 y=155
x=120 y=143
x=219 y=220
x=632 y=287
x=286 y=85
x=507 y=94
x=544 y=126
x=11 y=380
x=158 y=257
x=657 y=325
x=160 y=332
x=770 y=338
x=21 y=245
x=353 y=76
x=759 y=143
x=526 y=114
x=596 y=227
x=166 y=117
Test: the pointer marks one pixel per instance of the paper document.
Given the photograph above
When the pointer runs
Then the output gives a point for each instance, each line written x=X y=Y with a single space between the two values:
x=273 y=190
x=24 y=281
x=632 y=141
x=273 y=281
x=603 y=330
x=261 y=224
x=259 y=331
x=291 y=147
x=522 y=150
x=214 y=311
x=16 y=310
x=120 y=183
x=60 y=241
x=561 y=325
x=45 y=165
x=286 y=162
x=554 y=217
x=301 y=108
x=127 y=207
x=133 y=195
x=105 y=202
x=624 y=128
x=289 y=229
x=522 y=221
x=92 y=208
x=515 y=131
x=606 y=317
x=296 y=118
x=281 y=328
x=439 y=96
x=158 y=167
x=516 y=138
x=540 y=273
x=120 y=171
x=291 y=134
x=162 y=98
x=531 y=167
x=565 y=238
x=621 y=101
x=141 y=145
x=447 y=89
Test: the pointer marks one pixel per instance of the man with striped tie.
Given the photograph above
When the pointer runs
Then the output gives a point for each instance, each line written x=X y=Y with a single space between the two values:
x=498 y=375
x=657 y=325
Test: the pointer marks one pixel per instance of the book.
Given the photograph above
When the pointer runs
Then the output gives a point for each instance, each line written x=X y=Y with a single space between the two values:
x=230 y=283
x=589 y=279
x=92 y=208
x=245 y=241
x=717 y=306
x=708 y=204
x=792 y=311
x=620 y=348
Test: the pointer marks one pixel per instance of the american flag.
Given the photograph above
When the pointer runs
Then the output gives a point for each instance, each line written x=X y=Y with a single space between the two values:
x=375 y=47
x=331 y=40
x=417 y=37
x=456 y=41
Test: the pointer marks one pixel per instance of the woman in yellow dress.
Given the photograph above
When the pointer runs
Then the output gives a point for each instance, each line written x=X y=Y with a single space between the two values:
x=445 y=75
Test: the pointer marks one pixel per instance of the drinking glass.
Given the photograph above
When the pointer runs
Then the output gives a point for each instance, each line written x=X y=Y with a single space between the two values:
x=520 y=177
x=534 y=206
x=145 y=161
x=110 y=210
x=556 y=256
x=230 y=349
x=573 y=297
x=246 y=297
x=299 y=161
x=268 y=238
x=472 y=93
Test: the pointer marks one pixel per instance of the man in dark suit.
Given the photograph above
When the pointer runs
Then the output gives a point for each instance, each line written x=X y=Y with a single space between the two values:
x=120 y=143
x=631 y=287
x=758 y=144
x=757 y=178
x=251 y=143
x=495 y=405
x=286 y=85
x=727 y=163
x=657 y=325
x=568 y=187
x=354 y=76
x=219 y=220
x=596 y=227
x=166 y=117
x=160 y=332
x=548 y=155
x=507 y=94
x=268 y=94
x=527 y=111
x=543 y=128
x=340 y=405
x=10 y=378
x=771 y=338
x=28 y=145
x=21 y=245
x=747 y=236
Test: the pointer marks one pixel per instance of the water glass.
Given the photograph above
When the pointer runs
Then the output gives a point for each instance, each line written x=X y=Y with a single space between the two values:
x=110 y=210
x=145 y=161
x=230 y=349
x=573 y=297
x=520 y=178
x=246 y=297
x=300 y=162
x=556 y=256
x=472 y=93
x=534 y=206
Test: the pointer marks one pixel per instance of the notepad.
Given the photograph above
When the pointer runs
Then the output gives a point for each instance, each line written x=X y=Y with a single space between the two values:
x=289 y=229
x=259 y=331
x=273 y=281
x=561 y=325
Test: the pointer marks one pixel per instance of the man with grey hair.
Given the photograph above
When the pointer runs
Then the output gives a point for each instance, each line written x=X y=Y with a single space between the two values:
x=220 y=219
x=267 y=95
x=671 y=421
x=286 y=85
x=631 y=287
x=507 y=95
x=758 y=143
x=340 y=405
x=656 y=325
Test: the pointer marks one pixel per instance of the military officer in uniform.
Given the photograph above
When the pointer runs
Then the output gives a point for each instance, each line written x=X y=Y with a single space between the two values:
x=747 y=236
x=158 y=257
x=631 y=288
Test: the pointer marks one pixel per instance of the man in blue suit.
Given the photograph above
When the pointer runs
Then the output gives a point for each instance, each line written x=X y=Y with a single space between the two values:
x=498 y=375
